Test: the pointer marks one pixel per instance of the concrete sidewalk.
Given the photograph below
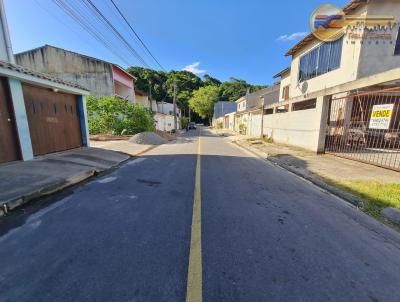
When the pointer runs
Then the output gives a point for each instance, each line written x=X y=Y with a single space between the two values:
x=305 y=162
x=21 y=181
x=376 y=190
x=123 y=146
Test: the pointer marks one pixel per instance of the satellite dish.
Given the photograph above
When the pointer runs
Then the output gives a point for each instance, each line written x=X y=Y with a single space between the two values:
x=304 y=87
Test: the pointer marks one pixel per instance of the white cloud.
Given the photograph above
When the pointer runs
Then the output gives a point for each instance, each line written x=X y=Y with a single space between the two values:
x=293 y=36
x=194 y=68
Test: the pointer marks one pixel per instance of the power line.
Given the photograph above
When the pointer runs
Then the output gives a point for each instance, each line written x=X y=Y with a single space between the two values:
x=49 y=12
x=104 y=19
x=88 y=28
x=135 y=33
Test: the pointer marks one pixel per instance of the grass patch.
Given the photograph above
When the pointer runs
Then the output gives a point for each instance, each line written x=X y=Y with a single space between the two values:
x=268 y=140
x=378 y=195
x=274 y=154
x=252 y=139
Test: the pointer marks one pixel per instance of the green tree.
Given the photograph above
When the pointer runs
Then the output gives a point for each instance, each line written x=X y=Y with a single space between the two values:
x=147 y=79
x=203 y=99
x=186 y=83
x=234 y=89
x=161 y=85
x=183 y=98
x=210 y=81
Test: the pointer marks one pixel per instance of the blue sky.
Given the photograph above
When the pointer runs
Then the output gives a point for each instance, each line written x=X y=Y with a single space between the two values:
x=242 y=39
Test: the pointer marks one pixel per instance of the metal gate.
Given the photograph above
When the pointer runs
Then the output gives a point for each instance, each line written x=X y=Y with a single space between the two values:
x=9 y=145
x=365 y=127
x=53 y=120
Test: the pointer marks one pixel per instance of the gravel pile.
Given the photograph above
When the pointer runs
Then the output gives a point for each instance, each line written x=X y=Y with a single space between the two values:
x=147 y=138
x=165 y=135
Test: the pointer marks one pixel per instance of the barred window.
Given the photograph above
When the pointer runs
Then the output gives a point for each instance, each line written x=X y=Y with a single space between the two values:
x=304 y=105
x=397 y=48
x=320 y=60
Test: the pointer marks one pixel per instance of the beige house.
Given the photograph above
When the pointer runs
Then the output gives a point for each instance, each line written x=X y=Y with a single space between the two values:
x=331 y=90
x=142 y=98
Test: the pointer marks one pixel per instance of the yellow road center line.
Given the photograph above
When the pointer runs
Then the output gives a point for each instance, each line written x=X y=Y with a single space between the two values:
x=194 y=290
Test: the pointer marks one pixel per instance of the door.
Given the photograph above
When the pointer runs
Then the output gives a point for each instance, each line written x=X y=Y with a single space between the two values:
x=9 y=146
x=53 y=119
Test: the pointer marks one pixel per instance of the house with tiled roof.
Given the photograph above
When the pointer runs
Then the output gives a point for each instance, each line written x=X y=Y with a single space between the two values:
x=39 y=113
x=341 y=96
x=102 y=78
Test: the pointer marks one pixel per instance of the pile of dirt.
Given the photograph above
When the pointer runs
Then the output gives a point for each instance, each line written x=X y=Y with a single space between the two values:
x=109 y=137
x=165 y=135
x=148 y=138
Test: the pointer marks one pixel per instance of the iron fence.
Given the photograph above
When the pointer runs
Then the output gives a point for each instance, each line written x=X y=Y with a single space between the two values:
x=366 y=127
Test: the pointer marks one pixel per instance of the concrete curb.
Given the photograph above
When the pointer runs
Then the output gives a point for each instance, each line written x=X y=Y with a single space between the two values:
x=12 y=204
x=354 y=200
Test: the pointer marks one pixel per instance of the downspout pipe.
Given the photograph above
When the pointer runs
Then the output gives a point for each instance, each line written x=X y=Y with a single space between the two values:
x=6 y=33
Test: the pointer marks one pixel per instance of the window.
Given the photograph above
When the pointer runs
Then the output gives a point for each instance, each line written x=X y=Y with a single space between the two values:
x=304 y=105
x=269 y=111
x=285 y=93
x=397 y=48
x=320 y=60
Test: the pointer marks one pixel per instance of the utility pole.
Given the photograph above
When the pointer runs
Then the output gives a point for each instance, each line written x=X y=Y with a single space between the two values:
x=175 y=118
x=8 y=56
x=262 y=116
x=150 y=99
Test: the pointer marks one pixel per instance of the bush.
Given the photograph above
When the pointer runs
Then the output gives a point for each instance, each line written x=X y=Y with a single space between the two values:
x=219 y=125
x=242 y=129
x=184 y=122
x=112 y=115
x=268 y=140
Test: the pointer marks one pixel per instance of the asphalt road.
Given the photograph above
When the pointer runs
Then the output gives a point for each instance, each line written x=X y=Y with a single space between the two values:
x=266 y=235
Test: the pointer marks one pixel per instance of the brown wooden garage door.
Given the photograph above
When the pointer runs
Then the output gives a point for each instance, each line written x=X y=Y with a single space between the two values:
x=53 y=120
x=9 y=146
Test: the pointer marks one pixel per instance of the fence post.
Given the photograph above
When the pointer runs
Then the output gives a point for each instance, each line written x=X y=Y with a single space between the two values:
x=262 y=121
x=323 y=110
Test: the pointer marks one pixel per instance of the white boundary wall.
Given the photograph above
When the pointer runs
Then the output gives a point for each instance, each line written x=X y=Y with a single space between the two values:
x=303 y=128
x=254 y=125
x=230 y=121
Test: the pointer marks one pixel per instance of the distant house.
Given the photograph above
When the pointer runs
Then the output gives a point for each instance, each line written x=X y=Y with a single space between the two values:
x=222 y=108
x=284 y=75
x=255 y=100
x=143 y=99
x=249 y=112
x=163 y=111
x=166 y=108
x=100 y=77
x=164 y=116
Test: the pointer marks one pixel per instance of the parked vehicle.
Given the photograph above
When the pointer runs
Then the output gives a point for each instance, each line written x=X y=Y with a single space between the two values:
x=192 y=126
x=392 y=138
x=357 y=134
